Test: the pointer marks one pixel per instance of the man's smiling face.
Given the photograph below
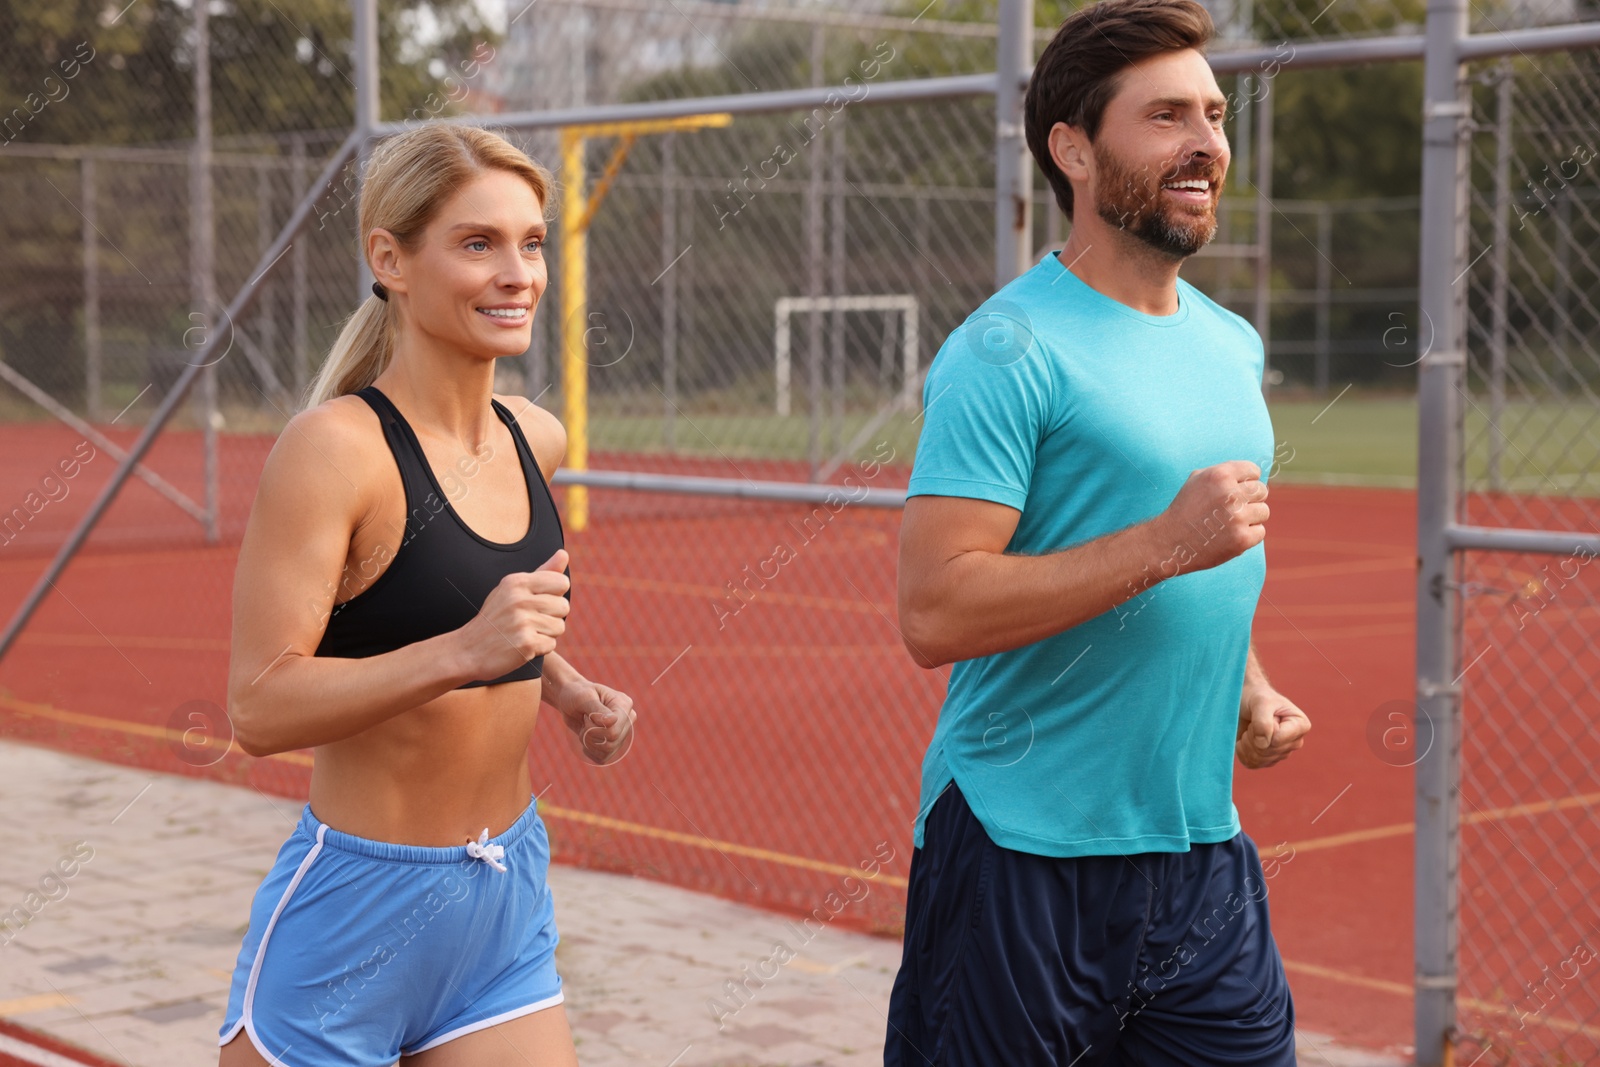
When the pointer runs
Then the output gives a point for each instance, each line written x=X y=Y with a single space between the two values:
x=1161 y=157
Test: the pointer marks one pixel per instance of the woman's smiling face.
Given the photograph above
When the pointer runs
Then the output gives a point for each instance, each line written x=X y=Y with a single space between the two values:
x=476 y=275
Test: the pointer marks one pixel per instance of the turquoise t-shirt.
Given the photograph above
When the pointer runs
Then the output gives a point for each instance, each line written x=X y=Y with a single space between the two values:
x=1115 y=736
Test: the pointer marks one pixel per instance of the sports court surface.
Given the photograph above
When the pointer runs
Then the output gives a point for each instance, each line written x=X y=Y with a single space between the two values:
x=749 y=781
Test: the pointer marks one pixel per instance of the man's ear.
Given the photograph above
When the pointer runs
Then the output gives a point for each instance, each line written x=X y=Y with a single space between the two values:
x=1069 y=148
x=383 y=256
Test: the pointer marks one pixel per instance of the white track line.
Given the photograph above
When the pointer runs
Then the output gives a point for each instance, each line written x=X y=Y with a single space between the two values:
x=33 y=1054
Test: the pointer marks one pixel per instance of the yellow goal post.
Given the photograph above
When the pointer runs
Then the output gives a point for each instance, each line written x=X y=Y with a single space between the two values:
x=578 y=209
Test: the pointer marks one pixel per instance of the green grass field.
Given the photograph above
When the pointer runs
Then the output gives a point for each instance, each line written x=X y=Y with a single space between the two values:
x=1544 y=448
x=1350 y=439
x=1357 y=440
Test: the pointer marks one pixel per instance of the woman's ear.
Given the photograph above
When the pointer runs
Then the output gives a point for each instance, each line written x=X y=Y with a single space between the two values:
x=383 y=256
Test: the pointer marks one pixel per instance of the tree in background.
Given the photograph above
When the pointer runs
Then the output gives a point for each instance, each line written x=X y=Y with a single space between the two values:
x=115 y=72
x=276 y=66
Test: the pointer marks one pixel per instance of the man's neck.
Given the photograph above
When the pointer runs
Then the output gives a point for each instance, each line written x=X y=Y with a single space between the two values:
x=1116 y=264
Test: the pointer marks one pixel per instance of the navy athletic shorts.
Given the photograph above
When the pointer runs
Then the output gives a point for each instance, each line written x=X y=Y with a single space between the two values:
x=1154 y=959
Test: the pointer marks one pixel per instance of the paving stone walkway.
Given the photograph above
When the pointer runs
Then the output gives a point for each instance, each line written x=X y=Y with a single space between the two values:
x=139 y=887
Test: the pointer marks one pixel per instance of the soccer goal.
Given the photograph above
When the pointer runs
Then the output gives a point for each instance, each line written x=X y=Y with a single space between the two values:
x=786 y=306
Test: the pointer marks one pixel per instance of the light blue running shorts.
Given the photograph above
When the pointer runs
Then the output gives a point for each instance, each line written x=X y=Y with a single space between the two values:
x=361 y=951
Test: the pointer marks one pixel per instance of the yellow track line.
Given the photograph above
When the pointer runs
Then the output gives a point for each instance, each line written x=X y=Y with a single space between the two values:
x=736 y=651
x=1385 y=607
x=45 y=711
x=1325 y=570
x=1402 y=990
x=221 y=645
x=1286 y=633
x=1354 y=837
x=721 y=596
x=37 y=1002
x=172 y=644
x=300 y=759
x=218 y=645
x=1400 y=829
x=695 y=841
x=1399 y=989
x=189 y=644
x=78 y=718
x=1555 y=1022
x=93 y=560
x=1369 y=548
x=206 y=644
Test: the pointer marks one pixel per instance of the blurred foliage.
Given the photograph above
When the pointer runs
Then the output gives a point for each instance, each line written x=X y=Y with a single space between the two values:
x=276 y=65
x=121 y=73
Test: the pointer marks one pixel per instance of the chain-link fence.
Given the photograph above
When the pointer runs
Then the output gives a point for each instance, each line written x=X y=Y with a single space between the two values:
x=1530 y=737
x=766 y=283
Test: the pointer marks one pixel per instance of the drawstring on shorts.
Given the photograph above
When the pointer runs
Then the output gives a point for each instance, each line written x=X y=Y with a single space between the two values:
x=482 y=850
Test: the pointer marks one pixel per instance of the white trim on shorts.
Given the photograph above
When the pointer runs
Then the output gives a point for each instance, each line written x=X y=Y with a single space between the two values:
x=245 y=1019
x=484 y=1024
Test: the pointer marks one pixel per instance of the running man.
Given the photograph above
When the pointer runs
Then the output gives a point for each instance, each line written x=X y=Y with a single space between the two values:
x=400 y=591
x=1083 y=541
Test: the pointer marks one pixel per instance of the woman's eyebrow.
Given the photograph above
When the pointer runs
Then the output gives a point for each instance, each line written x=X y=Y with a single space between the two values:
x=483 y=227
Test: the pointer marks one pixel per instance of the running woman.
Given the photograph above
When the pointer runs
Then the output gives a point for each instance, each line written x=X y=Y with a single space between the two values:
x=400 y=591
x=1084 y=541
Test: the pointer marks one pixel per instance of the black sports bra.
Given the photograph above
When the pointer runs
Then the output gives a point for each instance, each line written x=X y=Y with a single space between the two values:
x=443 y=571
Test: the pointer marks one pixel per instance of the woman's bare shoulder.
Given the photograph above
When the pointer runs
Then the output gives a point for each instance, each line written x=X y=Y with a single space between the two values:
x=338 y=444
x=545 y=434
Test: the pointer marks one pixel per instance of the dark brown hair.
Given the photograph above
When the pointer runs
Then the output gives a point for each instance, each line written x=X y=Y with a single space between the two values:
x=1080 y=70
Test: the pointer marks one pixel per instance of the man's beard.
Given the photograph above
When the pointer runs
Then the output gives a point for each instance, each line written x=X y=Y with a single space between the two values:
x=1131 y=200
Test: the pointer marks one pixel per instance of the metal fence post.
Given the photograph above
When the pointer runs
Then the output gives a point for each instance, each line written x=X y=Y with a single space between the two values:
x=1013 y=167
x=267 y=313
x=202 y=261
x=836 y=287
x=91 y=290
x=1324 y=293
x=814 y=254
x=1566 y=333
x=367 y=117
x=684 y=274
x=1262 y=314
x=1445 y=111
x=1500 y=261
x=242 y=303
x=298 y=285
x=669 y=293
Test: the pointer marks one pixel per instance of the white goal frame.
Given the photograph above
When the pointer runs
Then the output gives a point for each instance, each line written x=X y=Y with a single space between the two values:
x=786 y=306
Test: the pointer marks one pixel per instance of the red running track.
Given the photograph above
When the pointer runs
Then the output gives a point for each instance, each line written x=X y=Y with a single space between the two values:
x=779 y=744
x=22 y=1047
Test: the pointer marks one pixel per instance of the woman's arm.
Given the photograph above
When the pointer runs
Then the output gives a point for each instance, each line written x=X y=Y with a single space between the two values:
x=601 y=717
x=316 y=490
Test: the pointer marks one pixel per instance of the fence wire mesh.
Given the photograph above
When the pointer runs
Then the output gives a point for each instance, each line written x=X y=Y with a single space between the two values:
x=690 y=268
x=1529 y=921
x=730 y=616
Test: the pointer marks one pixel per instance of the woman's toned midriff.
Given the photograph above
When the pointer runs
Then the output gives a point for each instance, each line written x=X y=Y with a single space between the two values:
x=437 y=774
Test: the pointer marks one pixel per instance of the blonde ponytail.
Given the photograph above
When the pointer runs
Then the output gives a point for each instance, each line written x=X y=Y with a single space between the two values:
x=408 y=179
x=363 y=350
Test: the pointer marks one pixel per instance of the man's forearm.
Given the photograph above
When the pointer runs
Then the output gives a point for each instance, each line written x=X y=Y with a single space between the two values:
x=1254 y=676
x=988 y=602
